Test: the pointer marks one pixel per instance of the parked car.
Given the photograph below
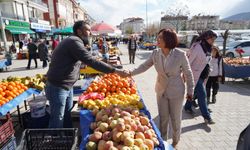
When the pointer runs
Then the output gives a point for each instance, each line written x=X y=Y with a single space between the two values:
x=147 y=45
x=240 y=44
x=219 y=40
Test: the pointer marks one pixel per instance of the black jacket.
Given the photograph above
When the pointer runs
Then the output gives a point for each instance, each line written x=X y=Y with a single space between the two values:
x=67 y=59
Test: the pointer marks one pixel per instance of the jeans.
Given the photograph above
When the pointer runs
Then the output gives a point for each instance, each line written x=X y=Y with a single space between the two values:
x=202 y=99
x=61 y=103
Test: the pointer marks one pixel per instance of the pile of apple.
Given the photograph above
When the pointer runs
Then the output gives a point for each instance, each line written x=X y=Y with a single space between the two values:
x=237 y=61
x=121 y=99
x=117 y=128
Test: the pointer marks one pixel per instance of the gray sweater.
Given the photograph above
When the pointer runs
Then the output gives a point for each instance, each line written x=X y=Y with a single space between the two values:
x=66 y=61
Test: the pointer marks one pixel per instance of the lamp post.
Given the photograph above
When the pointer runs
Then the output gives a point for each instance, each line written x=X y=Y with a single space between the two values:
x=2 y=26
x=147 y=18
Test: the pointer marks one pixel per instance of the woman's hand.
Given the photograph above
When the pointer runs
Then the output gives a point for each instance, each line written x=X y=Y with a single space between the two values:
x=189 y=97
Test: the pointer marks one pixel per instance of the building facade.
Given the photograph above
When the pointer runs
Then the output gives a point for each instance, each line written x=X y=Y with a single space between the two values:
x=23 y=19
x=203 y=22
x=133 y=25
x=174 y=22
x=63 y=13
x=234 y=25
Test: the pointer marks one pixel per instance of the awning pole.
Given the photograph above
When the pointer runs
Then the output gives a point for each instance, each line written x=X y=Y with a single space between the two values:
x=3 y=32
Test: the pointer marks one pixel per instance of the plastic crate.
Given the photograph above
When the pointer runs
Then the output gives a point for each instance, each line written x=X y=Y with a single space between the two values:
x=6 y=129
x=49 y=139
x=10 y=145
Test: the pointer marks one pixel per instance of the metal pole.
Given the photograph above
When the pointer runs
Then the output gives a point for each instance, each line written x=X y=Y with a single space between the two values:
x=3 y=32
x=147 y=18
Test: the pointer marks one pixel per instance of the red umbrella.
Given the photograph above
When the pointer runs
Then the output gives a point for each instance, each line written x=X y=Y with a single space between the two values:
x=102 y=28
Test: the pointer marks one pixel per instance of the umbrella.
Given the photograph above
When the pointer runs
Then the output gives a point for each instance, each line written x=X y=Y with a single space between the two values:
x=103 y=28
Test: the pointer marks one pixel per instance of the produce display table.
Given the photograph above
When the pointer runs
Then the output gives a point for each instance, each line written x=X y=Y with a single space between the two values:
x=86 y=118
x=16 y=101
x=232 y=71
x=89 y=70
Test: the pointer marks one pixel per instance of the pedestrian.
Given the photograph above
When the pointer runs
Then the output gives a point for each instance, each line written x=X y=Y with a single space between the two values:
x=54 y=43
x=64 y=70
x=12 y=48
x=215 y=75
x=103 y=49
x=20 y=45
x=199 y=59
x=43 y=52
x=169 y=63
x=132 y=45
x=32 y=50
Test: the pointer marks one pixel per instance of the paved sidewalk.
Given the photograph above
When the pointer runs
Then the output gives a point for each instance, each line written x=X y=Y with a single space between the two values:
x=231 y=112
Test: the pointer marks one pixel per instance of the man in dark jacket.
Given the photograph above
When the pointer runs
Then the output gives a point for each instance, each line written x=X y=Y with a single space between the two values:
x=132 y=45
x=43 y=52
x=64 y=71
x=32 y=49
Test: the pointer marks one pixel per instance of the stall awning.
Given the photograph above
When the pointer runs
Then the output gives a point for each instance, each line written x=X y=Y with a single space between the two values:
x=16 y=30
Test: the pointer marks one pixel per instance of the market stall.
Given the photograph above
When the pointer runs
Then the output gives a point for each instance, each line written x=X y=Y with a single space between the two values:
x=114 y=115
x=237 y=67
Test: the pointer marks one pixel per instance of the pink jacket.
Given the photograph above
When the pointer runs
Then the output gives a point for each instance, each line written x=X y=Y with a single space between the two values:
x=197 y=59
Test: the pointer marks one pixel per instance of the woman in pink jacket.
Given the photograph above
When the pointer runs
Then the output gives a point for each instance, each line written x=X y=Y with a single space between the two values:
x=199 y=58
x=169 y=63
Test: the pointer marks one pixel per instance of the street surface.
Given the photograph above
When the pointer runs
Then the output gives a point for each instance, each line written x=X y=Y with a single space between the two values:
x=231 y=112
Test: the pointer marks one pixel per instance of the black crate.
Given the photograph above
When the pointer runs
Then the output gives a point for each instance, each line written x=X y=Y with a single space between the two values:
x=49 y=139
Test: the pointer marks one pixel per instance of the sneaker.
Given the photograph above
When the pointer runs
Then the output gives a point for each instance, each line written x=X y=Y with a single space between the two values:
x=195 y=104
x=209 y=121
x=190 y=111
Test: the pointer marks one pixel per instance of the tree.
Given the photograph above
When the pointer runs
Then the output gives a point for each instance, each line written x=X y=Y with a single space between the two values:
x=129 y=30
x=153 y=29
x=225 y=36
x=176 y=15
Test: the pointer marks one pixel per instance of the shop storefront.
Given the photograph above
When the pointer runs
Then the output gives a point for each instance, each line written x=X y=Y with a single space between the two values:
x=41 y=28
x=17 y=31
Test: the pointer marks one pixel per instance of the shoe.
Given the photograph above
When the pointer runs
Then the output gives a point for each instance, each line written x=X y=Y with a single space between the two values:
x=209 y=121
x=208 y=100
x=27 y=67
x=214 y=99
x=209 y=110
x=195 y=104
x=190 y=111
x=174 y=144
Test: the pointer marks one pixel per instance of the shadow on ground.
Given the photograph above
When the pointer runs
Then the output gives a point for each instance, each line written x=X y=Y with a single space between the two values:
x=241 y=87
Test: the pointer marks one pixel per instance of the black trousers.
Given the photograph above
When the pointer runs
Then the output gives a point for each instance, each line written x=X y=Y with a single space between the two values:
x=131 y=54
x=44 y=63
x=212 y=82
x=32 y=56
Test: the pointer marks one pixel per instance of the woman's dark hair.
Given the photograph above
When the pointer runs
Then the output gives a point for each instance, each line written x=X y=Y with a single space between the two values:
x=79 y=25
x=169 y=37
x=207 y=35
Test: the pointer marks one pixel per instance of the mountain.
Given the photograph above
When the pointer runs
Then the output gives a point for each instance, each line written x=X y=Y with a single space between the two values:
x=239 y=17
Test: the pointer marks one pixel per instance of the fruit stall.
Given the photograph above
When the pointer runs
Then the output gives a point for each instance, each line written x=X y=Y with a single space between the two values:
x=237 y=67
x=114 y=116
x=14 y=91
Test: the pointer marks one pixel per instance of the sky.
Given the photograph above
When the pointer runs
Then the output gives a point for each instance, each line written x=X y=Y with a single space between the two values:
x=114 y=11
